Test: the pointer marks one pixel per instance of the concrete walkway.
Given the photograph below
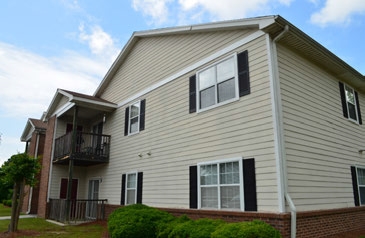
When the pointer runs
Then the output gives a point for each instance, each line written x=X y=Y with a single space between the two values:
x=21 y=216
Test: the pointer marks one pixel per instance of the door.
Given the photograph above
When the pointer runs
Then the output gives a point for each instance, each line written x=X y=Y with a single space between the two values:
x=64 y=186
x=63 y=195
x=93 y=196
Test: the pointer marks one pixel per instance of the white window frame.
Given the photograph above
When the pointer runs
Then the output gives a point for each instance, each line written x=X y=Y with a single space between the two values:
x=130 y=119
x=129 y=189
x=358 y=185
x=217 y=104
x=346 y=87
x=218 y=162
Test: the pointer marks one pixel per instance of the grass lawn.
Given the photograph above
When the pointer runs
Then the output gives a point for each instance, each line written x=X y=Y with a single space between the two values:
x=4 y=211
x=37 y=227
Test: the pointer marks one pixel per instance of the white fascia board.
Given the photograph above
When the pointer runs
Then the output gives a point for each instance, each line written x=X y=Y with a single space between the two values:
x=235 y=45
x=85 y=100
x=63 y=109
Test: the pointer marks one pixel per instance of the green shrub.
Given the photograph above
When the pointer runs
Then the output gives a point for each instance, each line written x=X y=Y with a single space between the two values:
x=254 y=229
x=201 y=228
x=7 y=203
x=166 y=228
x=137 y=221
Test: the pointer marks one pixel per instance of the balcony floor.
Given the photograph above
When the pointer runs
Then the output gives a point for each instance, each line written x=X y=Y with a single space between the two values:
x=81 y=159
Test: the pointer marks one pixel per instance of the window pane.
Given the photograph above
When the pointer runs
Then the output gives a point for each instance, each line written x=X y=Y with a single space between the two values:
x=350 y=95
x=209 y=197
x=134 y=110
x=226 y=90
x=361 y=176
x=352 y=111
x=229 y=173
x=207 y=97
x=131 y=181
x=208 y=174
x=207 y=78
x=362 y=195
x=230 y=197
x=131 y=195
x=225 y=70
x=134 y=125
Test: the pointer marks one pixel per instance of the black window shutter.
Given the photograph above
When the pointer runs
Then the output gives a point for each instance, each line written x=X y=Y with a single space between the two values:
x=355 y=186
x=192 y=94
x=358 y=107
x=243 y=74
x=122 y=196
x=142 y=115
x=343 y=99
x=139 y=187
x=249 y=184
x=126 y=121
x=193 y=177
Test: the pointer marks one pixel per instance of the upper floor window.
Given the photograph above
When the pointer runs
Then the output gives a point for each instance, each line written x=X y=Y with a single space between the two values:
x=220 y=83
x=350 y=103
x=134 y=117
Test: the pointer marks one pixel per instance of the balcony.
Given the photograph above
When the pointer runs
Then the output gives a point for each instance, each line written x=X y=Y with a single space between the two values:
x=90 y=149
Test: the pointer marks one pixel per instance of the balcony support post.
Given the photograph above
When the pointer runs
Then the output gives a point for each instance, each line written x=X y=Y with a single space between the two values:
x=71 y=164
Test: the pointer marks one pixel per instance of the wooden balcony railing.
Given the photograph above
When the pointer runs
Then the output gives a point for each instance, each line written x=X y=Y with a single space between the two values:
x=90 y=149
x=80 y=210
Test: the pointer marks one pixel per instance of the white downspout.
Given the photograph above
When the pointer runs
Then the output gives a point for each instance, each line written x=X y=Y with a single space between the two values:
x=279 y=132
x=31 y=188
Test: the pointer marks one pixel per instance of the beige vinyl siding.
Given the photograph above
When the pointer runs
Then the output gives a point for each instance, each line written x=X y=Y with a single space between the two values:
x=321 y=144
x=155 y=58
x=178 y=139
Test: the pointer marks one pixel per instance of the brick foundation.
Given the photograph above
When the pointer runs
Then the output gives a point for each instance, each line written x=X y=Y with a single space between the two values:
x=322 y=223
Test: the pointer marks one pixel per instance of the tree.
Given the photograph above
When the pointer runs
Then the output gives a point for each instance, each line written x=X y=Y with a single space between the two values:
x=20 y=169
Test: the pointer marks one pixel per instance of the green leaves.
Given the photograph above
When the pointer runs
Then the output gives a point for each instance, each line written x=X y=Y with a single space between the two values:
x=20 y=167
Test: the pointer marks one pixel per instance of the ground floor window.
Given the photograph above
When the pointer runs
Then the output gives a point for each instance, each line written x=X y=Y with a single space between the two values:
x=361 y=184
x=221 y=184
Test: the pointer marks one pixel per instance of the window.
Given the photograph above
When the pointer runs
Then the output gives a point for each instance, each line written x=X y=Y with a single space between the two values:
x=220 y=83
x=350 y=103
x=131 y=189
x=221 y=185
x=361 y=184
x=134 y=118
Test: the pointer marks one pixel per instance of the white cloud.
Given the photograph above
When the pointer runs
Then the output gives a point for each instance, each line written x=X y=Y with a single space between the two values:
x=29 y=81
x=156 y=9
x=223 y=10
x=185 y=11
x=338 y=12
x=99 y=42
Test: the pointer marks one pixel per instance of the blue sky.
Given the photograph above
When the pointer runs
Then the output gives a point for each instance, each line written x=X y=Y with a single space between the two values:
x=70 y=44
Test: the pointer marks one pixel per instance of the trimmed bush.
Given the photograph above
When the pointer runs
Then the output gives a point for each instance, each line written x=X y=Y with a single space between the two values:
x=166 y=228
x=137 y=221
x=254 y=229
x=7 y=203
x=201 y=228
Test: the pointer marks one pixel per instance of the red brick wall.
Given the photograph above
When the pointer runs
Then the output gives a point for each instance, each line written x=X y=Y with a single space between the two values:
x=31 y=151
x=46 y=162
x=330 y=222
x=323 y=223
